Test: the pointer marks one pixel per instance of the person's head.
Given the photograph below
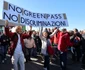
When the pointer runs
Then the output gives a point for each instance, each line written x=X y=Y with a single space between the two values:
x=71 y=33
x=19 y=29
x=28 y=32
x=83 y=31
x=46 y=29
x=64 y=30
x=75 y=30
x=37 y=33
x=52 y=30
x=45 y=34
x=34 y=32
x=25 y=31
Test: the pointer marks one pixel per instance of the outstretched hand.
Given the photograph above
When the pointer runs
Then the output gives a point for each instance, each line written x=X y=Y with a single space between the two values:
x=6 y=23
x=30 y=27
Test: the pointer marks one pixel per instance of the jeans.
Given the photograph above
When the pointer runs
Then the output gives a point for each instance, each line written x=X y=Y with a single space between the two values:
x=18 y=58
x=34 y=52
x=63 y=60
x=38 y=48
x=46 y=62
x=3 y=51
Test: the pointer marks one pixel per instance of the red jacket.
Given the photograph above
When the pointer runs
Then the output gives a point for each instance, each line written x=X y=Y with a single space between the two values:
x=56 y=37
x=64 y=42
x=15 y=40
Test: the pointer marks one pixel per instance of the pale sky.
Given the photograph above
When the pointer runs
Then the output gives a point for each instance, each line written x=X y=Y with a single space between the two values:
x=74 y=9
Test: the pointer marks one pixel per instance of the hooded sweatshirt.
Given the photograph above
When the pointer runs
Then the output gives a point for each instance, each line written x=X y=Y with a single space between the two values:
x=64 y=42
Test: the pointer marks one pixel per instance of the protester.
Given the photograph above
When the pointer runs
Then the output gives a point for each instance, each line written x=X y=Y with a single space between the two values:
x=56 y=36
x=46 y=29
x=55 y=41
x=49 y=31
x=72 y=48
x=29 y=44
x=25 y=31
x=17 y=46
x=64 y=42
x=83 y=51
x=34 y=50
x=5 y=43
x=32 y=42
x=45 y=43
x=77 y=45
x=1 y=50
x=38 y=43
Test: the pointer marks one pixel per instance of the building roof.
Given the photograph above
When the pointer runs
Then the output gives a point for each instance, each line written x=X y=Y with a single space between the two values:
x=2 y=23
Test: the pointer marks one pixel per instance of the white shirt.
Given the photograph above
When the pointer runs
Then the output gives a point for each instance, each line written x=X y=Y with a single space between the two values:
x=18 y=48
x=44 y=46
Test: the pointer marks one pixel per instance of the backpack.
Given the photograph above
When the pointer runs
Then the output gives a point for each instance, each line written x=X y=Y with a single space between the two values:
x=77 y=41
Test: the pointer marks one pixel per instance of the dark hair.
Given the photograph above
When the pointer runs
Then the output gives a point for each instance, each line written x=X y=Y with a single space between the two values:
x=47 y=33
x=48 y=36
x=76 y=29
x=64 y=29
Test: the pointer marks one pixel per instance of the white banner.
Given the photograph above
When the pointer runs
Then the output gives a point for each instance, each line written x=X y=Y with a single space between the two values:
x=19 y=15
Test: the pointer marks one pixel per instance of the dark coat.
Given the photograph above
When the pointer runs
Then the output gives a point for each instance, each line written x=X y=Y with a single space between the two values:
x=77 y=43
x=83 y=42
x=5 y=40
x=38 y=41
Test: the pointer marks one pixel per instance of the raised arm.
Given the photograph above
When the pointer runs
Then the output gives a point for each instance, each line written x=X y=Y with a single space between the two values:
x=8 y=33
x=40 y=32
x=55 y=31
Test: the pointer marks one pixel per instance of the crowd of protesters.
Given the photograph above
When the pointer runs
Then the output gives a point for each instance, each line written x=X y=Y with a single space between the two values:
x=47 y=42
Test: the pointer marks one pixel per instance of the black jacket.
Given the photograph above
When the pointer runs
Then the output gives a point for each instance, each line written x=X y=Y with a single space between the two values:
x=5 y=40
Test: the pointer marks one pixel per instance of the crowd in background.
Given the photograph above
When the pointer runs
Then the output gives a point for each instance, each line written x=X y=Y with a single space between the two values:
x=59 y=40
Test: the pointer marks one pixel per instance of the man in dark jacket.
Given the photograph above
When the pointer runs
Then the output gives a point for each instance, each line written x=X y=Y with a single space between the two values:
x=38 y=42
x=5 y=42
x=77 y=44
